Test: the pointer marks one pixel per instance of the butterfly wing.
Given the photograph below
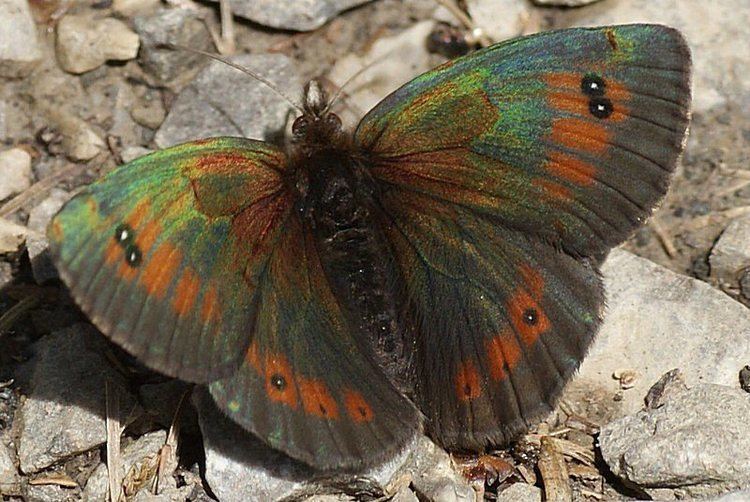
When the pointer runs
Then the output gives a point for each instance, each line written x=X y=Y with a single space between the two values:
x=193 y=259
x=163 y=253
x=310 y=385
x=570 y=135
x=506 y=176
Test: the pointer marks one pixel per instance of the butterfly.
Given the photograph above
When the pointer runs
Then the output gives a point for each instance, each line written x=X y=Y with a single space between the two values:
x=435 y=269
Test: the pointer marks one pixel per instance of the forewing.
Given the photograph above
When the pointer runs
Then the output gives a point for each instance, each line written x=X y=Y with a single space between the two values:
x=570 y=136
x=309 y=385
x=163 y=253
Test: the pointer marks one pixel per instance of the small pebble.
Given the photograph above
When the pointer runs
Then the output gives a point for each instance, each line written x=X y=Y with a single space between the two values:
x=176 y=26
x=12 y=237
x=731 y=254
x=8 y=472
x=503 y=19
x=129 y=8
x=520 y=492
x=149 y=113
x=15 y=172
x=745 y=284
x=19 y=47
x=669 y=384
x=79 y=141
x=745 y=378
x=292 y=14
x=84 y=44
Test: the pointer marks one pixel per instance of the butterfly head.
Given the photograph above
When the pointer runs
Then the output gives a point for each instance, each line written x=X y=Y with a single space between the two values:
x=317 y=124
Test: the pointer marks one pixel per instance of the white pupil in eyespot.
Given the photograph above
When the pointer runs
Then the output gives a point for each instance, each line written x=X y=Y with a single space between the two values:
x=124 y=235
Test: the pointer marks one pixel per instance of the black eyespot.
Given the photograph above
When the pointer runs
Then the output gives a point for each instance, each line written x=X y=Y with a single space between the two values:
x=530 y=317
x=467 y=389
x=133 y=255
x=323 y=410
x=593 y=85
x=600 y=108
x=123 y=234
x=278 y=381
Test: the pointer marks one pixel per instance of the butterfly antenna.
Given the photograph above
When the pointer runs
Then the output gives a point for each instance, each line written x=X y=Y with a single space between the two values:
x=356 y=74
x=244 y=70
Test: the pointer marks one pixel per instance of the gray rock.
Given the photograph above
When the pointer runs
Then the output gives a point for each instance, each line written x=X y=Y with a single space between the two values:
x=37 y=244
x=53 y=493
x=85 y=43
x=9 y=478
x=223 y=101
x=655 y=321
x=15 y=112
x=142 y=451
x=240 y=467
x=696 y=441
x=122 y=127
x=177 y=26
x=564 y=3
x=745 y=284
x=721 y=62
x=41 y=214
x=19 y=48
x=445 y=489
x=79 y=140
x=42 y=267
x=129 y=8
x=299 y=15
x=432 y=474
x=740 y=496
x=12 y=237
x=64 y=413
x=671 y=383
x=520 y=492
x=133 y=152
x=169 y=495
x=405 y=495
x=15 y=172
x=513 y=21
x=731 y=253
x=149 y=113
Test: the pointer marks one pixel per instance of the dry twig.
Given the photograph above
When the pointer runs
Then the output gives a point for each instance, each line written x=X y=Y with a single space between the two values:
x=664 y=238
x=554 y=472
x=55 y=479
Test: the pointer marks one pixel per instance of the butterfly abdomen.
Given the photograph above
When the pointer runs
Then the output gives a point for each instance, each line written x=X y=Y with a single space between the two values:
x=339 y=207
